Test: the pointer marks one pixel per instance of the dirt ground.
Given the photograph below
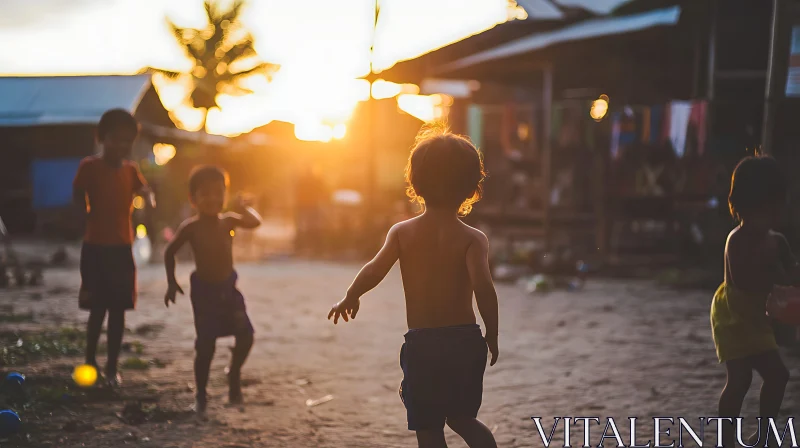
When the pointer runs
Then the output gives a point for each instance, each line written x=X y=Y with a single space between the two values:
x=614 y=349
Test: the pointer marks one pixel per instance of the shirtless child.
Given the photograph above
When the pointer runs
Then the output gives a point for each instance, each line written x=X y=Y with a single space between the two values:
x=219 y=308
x=443 y=262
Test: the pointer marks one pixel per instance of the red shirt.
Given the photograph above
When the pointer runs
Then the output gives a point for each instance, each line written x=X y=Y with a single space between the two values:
x=109 y=193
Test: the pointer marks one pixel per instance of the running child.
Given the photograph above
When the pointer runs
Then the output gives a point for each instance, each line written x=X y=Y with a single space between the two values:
x=756 y=259
x=219 y=308
x=443 y=262
x=104 y=187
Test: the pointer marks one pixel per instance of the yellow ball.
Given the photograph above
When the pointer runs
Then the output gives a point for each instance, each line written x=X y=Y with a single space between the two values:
x=85 y=375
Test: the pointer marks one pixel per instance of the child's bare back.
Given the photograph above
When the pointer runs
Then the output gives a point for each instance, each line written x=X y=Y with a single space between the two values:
x=443 y=263
x=433 y=253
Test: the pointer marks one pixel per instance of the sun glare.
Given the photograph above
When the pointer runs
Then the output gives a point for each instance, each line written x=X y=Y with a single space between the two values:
x=321 y=59
x=425 y=107
x=384 y=89
x=312 y=131
x=163 y=153
x=339 y=131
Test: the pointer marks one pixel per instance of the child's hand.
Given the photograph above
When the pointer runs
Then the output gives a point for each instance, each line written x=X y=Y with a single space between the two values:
x=346 y=307
x=242 y=202
x=491 y=342
x=172 y=290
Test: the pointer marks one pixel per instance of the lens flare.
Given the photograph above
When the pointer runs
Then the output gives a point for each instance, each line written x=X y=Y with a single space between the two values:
x=163 y=153
x=138 y=202
x=599 y=108
x=85 y=375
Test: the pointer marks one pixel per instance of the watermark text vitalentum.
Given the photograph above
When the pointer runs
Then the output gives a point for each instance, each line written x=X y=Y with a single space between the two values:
x=665 y=432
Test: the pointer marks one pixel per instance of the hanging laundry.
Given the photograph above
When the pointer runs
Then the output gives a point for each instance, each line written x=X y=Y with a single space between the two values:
x=628 y=129
x=656 y=127
x=679 y=124
x=616 y=118
x=475 y=124
x=646 y=128
x=697 y=119
x=507 y=129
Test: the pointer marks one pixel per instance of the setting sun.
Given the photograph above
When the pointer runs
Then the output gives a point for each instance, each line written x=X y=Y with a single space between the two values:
x=321 y=59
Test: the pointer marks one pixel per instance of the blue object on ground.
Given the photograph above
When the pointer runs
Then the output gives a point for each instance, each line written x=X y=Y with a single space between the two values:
x=15 y=377
x=10 y=423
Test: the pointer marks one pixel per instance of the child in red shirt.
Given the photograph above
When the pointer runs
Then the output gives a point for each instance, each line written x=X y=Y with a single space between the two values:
x=105 y=186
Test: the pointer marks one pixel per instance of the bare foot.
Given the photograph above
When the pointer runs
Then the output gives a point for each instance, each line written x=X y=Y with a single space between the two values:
x=114 y=381
x=200 y=406
x=235 y=388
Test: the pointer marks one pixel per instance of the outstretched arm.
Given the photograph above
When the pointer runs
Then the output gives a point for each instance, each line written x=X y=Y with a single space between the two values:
x=368 y=277
x=141 y=187
x=181 y=236
x=245 y=216
x=485 y=295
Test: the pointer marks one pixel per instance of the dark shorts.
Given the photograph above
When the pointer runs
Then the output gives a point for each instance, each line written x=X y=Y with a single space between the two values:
x=108 y=278
x=219 y=309
x=442 y=374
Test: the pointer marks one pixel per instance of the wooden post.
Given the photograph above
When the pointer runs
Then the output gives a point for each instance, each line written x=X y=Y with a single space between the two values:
x=773 y=92
x=372 y=196
x=712 y=52
x=712 y=68
x=547 y=111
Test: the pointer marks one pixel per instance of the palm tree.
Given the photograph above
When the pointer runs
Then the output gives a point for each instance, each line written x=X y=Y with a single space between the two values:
x=223 y=53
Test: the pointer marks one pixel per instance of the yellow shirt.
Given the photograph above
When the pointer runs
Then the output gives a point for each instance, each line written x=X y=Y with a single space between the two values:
x=739 y=324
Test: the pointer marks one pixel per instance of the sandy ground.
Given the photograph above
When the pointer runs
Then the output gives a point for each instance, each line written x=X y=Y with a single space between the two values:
x=615 y=349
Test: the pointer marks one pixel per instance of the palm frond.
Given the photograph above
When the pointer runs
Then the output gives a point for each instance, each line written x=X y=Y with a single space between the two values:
x=264 y=68
x=233 y=89
x=232 y=14
x=167 y=73
x=210 y=10
x=177 y=31
x=224 y=41
x=244 y=48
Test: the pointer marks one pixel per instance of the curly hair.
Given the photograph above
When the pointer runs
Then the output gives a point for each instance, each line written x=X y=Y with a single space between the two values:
x=205 y=174
x=757 y=182
x=444 y=169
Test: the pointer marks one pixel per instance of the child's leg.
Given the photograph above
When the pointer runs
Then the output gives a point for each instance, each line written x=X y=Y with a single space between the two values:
x=204 y=347
x=431 y=438
x=93 y=329
x=475 y=433
x=241 y=350
x=771 y=368
x=740 y=375
x=244 y=343
x=116 y=328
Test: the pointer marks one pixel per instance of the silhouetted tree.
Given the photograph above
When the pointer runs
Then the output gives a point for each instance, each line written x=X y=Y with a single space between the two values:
x=223 y=53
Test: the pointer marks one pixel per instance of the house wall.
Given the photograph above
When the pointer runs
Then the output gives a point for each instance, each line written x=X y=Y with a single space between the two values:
x=39 y=163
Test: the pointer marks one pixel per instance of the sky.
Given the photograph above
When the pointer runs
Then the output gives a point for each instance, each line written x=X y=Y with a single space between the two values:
x=321 y=45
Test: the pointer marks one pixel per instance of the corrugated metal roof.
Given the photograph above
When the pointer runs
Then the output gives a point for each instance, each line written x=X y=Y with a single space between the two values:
x=596 y=6
x=579 y=31
x=31 y=101
x=541 y=9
